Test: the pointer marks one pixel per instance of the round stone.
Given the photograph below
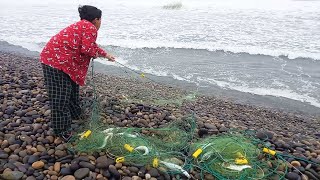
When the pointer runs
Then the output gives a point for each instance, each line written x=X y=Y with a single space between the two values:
x=81 y=173
x=292 y=176
x=69 y=177
x=295 y=163
x=38 y=165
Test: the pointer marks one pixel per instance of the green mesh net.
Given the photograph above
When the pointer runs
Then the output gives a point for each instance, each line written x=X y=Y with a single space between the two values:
x=175 y=137
x=228 y=156
x=160 y=148
x=151 y=97
x=233 y=156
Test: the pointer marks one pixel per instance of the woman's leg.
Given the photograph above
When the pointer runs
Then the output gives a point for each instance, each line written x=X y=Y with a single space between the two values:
x=59 y=91
x=74 y=105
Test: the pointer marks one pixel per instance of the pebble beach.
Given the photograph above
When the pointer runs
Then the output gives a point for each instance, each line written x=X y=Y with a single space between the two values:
x=29 y=150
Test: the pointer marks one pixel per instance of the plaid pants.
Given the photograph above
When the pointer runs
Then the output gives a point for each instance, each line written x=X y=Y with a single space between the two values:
x=64 y=99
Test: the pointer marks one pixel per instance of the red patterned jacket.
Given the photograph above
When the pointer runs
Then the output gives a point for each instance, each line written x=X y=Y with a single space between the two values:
x=71 y=50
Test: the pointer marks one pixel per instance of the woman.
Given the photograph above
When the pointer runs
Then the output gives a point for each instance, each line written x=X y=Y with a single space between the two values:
x=65 y=60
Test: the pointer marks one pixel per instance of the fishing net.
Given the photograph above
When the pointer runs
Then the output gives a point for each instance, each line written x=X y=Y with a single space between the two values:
x=233 y=156
x=152 y=92
x=160 y=148
x=155 y=96
x=228 y=156
x=100 y=136
x=174 y=137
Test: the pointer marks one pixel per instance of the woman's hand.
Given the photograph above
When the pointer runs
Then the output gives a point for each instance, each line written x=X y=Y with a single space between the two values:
x=110 y=57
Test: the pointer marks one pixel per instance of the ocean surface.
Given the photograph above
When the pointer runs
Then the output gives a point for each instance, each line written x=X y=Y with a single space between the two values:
x=265 y=52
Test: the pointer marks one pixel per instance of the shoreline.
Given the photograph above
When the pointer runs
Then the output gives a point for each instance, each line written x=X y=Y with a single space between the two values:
x=264 y=102
x=26 y=136
x=273 y=103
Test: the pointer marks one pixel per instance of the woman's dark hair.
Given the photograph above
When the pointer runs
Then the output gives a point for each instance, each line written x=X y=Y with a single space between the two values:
x=89 y=12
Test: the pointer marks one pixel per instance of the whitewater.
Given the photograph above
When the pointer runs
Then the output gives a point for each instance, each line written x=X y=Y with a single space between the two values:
x=265 y=47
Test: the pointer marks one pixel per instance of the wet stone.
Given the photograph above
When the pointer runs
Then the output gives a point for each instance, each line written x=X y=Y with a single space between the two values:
x=31 y=178
x=154 y=172
x=81 y=173
x=87 y=165
x=66 y=171
x=103 y=162
x=26 y=139
x=264 y=135
x=113 y=170
x=12 y=175
x=69 y=177
x=209 y=126
x=292 y=176
x=10 y=110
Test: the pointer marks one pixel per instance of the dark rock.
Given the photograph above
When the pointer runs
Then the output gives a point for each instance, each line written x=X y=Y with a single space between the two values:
x=60 y=153
x=14 y=157
x=310 y=175
x=30 y=113
x=66 y=161
x=31 y=178
x=30 y=171
x=65 y=157
x=142 y=172
x=292 y=176
x=66 y=171
x=36 y=126
x=317 y=161
x=304 y=164
x=106 y=173
x=3 y=155
x=4 y=123
x=2 y=163
x=46 y=157
x=33 y=158
x=103 y=162
x=87 y=165
x=83 y=158
x=210 y=126
x=9 y=165
x=60 y=147
x=74 y=166
x=202 y=132
x=40 y=177
x=81 y=173
x=20 y=113
x=264 y=135
x=27 y=120
x=154 y=172
x=223 y=129
x=300 y=149
x=114 y=172
x=22 y=168
x=26 y=139
x=14 y=124
x=133 y=169
x=314 y=173
x=10 y=110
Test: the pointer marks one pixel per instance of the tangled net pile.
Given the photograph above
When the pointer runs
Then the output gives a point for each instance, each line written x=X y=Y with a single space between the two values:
x=161 y=147
x=233 y=156
x=174 y=148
